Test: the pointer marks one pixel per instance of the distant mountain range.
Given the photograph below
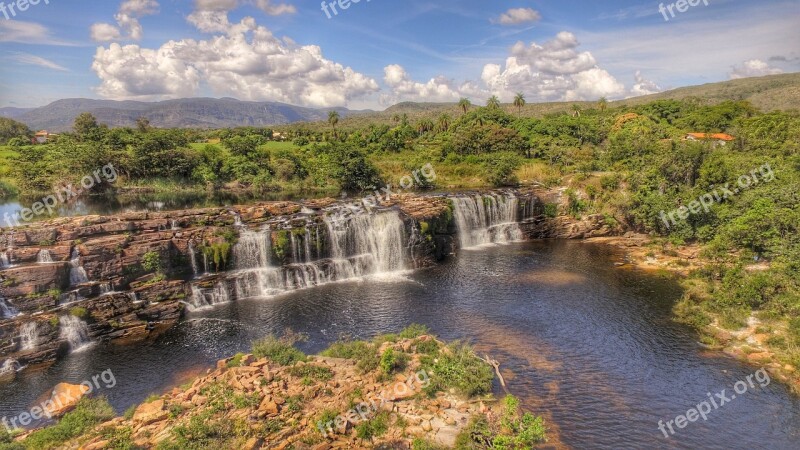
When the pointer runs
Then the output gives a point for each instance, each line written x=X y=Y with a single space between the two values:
x=775 y=92
x=183 y=113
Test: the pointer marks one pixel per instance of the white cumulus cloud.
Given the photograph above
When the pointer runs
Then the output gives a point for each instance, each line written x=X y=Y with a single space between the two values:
x=127 y=20
x=643 y=86
x=517 y=16
x=753 y=68
x=245 y=61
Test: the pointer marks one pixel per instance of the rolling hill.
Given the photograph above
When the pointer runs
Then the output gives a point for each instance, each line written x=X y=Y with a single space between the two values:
x=183 y=113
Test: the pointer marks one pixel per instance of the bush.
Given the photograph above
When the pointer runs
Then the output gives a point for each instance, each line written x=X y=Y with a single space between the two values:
x=151 y=262
x=365 y=353
x=79 y=312
x=414 y=331
x=278 y=350
x=460 y=369
x=392 y=361
x=375 y=427
x=311 y=371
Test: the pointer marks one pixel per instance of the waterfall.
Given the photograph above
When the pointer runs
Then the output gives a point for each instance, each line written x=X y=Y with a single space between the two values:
x=193 y=259
x=253 y=250
x=5 y=261
x=367 y=244
x=205 y=298
x=44 y=257
x=106 y=288
x=77 y=275
x=487 y=219
x=29 y=336
x=7 y=311
x=174 y=225
x=74 y=331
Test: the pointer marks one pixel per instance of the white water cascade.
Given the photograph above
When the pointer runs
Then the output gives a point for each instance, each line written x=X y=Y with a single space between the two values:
x=29 y=336
x=44 y=257
x=193 y=259
x=369 y=244
x=74 y=331
x=5 y=261
x=205 y=298
x=487 y=219
x=77 y=274
x=7 y=311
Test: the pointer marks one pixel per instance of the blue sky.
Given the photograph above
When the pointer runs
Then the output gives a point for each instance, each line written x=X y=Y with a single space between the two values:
x=378 y=52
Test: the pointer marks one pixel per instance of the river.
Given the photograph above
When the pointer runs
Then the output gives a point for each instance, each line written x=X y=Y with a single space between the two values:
x=589 y=345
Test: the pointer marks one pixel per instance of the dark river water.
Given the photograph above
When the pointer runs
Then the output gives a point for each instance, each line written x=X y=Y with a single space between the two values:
x=588 y=345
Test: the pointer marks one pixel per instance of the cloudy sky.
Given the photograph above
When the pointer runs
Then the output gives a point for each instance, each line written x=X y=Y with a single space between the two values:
x=378 y=52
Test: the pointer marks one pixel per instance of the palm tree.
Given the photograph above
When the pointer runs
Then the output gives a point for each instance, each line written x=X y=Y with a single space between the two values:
x=443 y=123
x=602 y=103
x=519 y=102
x=333 y=119
x=576 y=110
x=493 y=102
x=464 y=104
x=424 y=126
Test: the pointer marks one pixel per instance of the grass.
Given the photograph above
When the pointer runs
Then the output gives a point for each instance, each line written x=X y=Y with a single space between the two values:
x=365 y=353
x=88 y=413
x=311 y=371
x=458 y=368
x=278 y=350
x=513 y=430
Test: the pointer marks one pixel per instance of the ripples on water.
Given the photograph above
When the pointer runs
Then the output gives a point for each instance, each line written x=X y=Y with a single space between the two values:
x=588 y=345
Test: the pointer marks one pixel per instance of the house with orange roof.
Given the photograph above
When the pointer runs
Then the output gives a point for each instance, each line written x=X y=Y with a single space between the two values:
x=41 y=137
x=717 y=138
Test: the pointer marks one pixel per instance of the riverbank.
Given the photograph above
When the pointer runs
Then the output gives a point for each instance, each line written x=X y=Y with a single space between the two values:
x=408 y=390
x=759 y=339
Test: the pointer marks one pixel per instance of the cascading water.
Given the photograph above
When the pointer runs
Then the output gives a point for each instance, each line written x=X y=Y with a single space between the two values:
x=368 y=244
x=5 y=261
x=77 y=274
x=44 y=257
x=193 y=259
x=253 y=250
x=487 y=219
x=29 y=336
x=74 y=331
x=205 y=298
x=6 y=310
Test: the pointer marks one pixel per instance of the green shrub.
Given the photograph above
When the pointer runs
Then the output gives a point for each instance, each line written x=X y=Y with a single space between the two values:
x=459 y=369
x=278 y=350
x=151 y=262
x=392 y=361
x=79 y=312
x=414 y=331
x=311 y=371
x=375 y=427
x=364 y=353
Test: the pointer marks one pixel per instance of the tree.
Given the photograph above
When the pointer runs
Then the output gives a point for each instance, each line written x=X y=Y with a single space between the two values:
x=602 y=104
x=576 y=110
x=519 y=102
x=443 y=123
x=85 y=126
x=143 y=124
x=493 y=102
x=464 y=104
x=10 y=129
x=424 y=126
x=333 y=119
